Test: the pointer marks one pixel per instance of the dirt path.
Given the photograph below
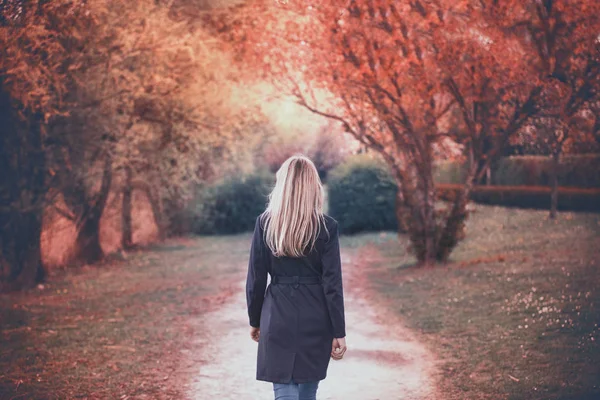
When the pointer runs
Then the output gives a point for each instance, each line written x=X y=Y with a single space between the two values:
x=382 y=362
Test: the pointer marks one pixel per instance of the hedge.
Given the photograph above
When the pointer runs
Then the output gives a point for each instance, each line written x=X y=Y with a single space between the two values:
x=582 y=171
x=232 y=205
x=361 y=195
x=536 y=197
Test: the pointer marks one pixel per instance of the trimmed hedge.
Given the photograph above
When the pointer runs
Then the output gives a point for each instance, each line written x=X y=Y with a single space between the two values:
x=361 y=195
x=536 y=197
x=232 y=205
x=581 y=171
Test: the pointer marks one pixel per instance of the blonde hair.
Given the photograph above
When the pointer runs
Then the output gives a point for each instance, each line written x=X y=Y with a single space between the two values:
x=294 y=214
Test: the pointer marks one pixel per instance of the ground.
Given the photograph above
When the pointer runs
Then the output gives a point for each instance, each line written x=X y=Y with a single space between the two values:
x=513 y=316
x=124 y=329
x=170 y=322
x=383 y=360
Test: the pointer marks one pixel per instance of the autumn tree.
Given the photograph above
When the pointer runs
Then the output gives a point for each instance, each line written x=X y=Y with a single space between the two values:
x=385 y=74
x=33 y=67
x=391 y=72
x=554 y=131
x=156 y=88
x=98 y=97
x=564 y=38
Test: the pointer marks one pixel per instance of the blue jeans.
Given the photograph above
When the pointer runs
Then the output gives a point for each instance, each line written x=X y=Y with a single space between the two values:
x=296 y=391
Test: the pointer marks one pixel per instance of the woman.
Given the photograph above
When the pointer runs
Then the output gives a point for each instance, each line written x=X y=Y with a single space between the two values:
x=299 y=322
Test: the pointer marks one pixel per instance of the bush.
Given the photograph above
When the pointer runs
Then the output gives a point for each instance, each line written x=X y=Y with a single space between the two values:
x=536 y=197
x=232 y=205
x=361 y=195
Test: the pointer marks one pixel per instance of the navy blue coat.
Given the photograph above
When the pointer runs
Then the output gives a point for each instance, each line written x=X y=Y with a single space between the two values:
x=297 y=321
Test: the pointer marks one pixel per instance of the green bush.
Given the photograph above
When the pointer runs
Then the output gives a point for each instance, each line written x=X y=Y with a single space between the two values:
x=536 y=197
x=232 y=205
x=361 y=195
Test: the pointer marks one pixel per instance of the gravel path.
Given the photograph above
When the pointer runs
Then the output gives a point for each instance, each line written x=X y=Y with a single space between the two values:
x=382 y=361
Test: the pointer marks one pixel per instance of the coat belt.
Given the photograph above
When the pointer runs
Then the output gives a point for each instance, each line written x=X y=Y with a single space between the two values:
x=295 y=280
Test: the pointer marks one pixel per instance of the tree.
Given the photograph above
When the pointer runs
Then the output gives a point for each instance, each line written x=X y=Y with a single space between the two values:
x=555 y=131
x=99 y=96
x=385 y=74
x=32 y=84
x=565 y=42
x=151 y=89
x=391 y=72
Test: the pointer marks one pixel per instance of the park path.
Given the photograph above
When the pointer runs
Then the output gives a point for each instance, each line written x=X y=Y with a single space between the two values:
x=383 y=362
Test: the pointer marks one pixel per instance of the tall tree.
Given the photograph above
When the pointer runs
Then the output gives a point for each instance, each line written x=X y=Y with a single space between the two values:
x=555 y=131
x=391 y=72
x=90 y=92
x=564 y=37
x=32 y=84
x=149 y=92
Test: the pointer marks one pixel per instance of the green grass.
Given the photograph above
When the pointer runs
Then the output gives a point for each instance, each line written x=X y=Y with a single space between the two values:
x=515 y=313
x=125 y=328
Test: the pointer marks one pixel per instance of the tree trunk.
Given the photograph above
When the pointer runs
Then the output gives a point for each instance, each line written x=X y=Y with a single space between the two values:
x=87 y=244
x=21 y=252
x=418 y=213
x=554 y=192
x=22 y=193
x=157 y=210
x=399 y=208
x=453 y=230
x=429 y=224
x=126 y=224
x=158 y=214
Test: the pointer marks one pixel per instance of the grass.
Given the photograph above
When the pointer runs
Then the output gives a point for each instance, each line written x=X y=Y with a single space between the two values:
x=124 y=329
x=515 y=313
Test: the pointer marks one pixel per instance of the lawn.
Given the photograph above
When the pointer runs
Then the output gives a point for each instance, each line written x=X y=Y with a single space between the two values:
x=515 y=313
x=124 y=329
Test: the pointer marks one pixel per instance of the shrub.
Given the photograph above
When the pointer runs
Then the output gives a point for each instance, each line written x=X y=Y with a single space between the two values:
x=232 y=205
x=361 y=195
x=537 y=197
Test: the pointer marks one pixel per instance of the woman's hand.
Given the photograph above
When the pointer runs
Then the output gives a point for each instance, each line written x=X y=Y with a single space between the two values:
x=255 y=333
x=338 y=348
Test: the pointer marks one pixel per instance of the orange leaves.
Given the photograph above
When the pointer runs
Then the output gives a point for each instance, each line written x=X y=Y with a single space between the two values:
x=32 y=59
x=393 y=61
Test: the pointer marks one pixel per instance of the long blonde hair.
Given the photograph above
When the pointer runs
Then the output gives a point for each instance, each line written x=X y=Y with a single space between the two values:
x=294 y=214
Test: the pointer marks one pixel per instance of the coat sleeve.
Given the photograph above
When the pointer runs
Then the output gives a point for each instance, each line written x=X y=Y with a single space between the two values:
x=332 y=282
x=256 y=281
